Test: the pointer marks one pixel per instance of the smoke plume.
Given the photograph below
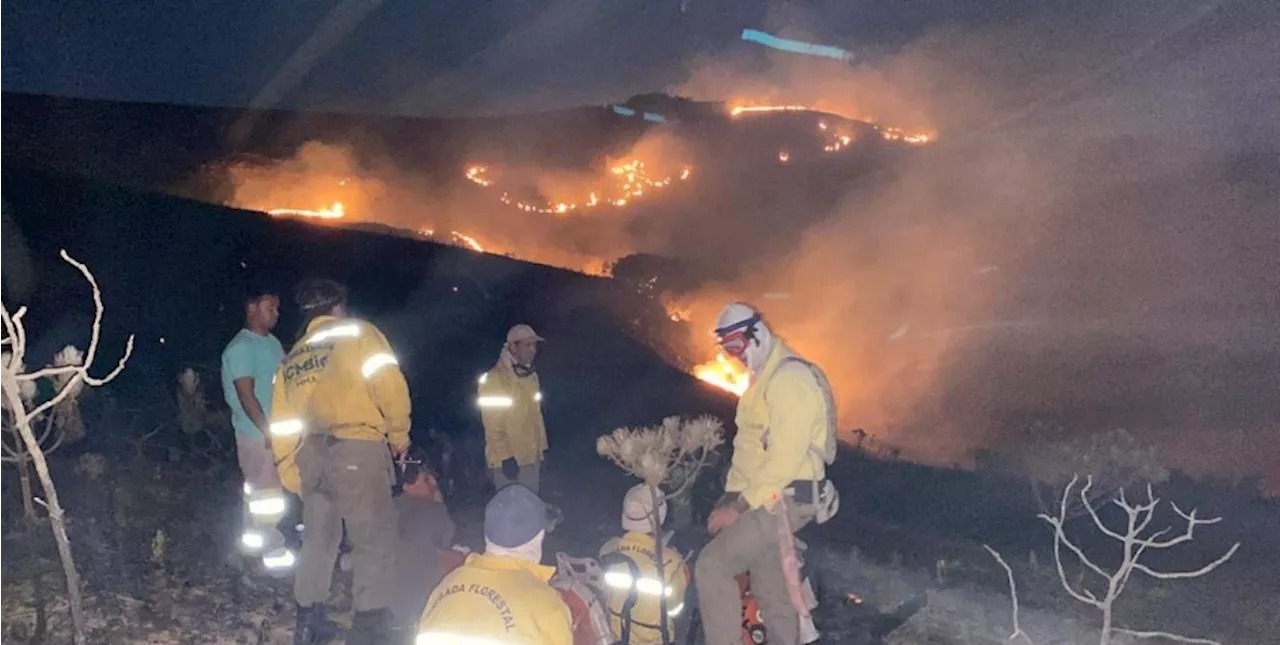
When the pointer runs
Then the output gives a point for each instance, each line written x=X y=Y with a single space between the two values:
x=1090 y=243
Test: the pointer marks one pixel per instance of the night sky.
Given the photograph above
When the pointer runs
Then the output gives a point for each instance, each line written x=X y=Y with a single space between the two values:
x=422 y=57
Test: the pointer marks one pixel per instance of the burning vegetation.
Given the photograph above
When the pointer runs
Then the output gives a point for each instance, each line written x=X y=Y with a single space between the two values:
x=545 y=214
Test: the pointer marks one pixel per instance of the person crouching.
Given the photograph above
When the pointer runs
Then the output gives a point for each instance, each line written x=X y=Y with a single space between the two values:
x=502 y=594
x=424 y=528
x=631 y=576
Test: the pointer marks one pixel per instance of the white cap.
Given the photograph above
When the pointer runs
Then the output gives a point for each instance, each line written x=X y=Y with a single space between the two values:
x=637 y=507
x=523 y=332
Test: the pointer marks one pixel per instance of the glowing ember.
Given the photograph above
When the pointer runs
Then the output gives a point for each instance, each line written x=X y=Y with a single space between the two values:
x=784 y=156
x=332 y=212
x=895 y=134
x=631 y=180
x=476 y=174
x=724 y=374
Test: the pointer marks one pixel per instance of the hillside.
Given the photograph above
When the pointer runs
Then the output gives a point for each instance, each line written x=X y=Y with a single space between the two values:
x=169 y=268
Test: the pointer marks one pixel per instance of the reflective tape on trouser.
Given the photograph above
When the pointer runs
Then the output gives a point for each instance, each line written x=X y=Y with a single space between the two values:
x=281 y=559
x=267 y=507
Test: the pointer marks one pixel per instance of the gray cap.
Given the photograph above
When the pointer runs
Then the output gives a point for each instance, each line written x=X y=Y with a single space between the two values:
x=514 y=516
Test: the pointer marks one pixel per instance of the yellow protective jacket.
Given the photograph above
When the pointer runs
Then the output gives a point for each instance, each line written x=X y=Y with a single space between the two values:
x=502 y=599
x=783 y=422
x=511 y=410
x=639 y=547
x=342 y=380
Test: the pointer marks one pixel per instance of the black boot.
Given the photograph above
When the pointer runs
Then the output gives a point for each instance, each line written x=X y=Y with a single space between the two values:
x=313 y=626
x=371 y=627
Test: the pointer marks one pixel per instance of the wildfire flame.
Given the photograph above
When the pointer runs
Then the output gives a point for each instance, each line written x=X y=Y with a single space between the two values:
x=333 y=212
x=459 y=239
x=724 y=374
x=739 y=110
x=631 y=180
x=886 y=132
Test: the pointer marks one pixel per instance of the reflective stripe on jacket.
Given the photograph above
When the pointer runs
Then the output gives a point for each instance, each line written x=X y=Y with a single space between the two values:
x=511 y=410
x=342 y=380
x=645 y=628
x=494 y=599
x=783 y=423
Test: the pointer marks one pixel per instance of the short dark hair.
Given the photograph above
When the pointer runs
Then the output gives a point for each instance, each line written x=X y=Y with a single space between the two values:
x=256 y=293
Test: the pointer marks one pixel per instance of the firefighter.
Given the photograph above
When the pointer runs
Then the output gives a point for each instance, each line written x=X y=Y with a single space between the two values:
x=634 y=586
x=510 y=401
x=339 y=402
x=776 y=484
x=502 y=595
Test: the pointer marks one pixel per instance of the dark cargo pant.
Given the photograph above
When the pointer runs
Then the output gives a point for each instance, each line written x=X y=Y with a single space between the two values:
x=346 y=480
x=529 y=476
x=748 y=545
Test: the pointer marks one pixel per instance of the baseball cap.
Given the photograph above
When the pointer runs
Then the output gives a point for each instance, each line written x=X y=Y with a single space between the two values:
x=514 y=516
x=523 y=332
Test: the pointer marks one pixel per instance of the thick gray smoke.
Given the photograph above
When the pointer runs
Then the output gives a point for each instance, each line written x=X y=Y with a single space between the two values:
x=1091 y=243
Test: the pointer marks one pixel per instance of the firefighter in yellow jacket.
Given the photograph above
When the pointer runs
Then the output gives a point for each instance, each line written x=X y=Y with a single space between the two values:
x=786 y=437
x=510 y=402
x=339 y=401
x=502 y=595
x=630 y=573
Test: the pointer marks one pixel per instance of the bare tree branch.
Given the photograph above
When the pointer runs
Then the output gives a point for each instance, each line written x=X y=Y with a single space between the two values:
x=1013 y=592
x=13 y=377
x=1166 y=636
x=1175 y=575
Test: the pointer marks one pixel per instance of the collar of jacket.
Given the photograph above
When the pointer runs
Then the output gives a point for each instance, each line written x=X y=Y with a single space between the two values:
x=503 y=563
x=779 y=352
x=316 y=323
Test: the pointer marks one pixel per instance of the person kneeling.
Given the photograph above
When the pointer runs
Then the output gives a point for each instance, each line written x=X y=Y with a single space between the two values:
x=635 y=588
x=425 y=529
x=501 y=595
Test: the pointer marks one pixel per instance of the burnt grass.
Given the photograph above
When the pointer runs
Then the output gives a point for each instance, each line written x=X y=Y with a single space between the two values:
x=155 y=542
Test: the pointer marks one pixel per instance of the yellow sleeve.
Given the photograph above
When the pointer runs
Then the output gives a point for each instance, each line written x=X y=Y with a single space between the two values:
x=495 y=410
x=286 y=428
x=795 y=408
x=381 y=372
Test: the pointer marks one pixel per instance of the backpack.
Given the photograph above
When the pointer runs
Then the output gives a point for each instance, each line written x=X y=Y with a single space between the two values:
x=829 y=448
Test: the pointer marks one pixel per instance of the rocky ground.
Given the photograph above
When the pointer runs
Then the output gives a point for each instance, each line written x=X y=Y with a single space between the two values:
x=155 y=546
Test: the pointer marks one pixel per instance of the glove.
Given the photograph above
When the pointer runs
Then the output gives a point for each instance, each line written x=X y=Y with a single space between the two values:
x=510 y=469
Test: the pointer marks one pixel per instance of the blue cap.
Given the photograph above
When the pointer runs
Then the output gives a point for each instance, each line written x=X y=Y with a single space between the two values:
x=514 y=516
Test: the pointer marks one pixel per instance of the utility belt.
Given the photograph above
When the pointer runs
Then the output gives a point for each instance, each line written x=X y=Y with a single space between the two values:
x=820 y=493
x=328 y=435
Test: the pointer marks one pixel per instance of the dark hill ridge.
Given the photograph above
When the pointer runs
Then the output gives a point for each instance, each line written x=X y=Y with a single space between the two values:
x=162 y=147
x=169 y=269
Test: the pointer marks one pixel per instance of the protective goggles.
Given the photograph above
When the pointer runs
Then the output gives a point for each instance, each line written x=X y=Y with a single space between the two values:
x=734 y=339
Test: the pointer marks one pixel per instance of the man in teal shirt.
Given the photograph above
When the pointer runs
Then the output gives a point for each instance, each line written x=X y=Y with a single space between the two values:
x=248 y=364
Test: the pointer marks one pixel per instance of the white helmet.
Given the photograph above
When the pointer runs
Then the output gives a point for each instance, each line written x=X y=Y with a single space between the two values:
x=637 y=507
x=743 y=334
